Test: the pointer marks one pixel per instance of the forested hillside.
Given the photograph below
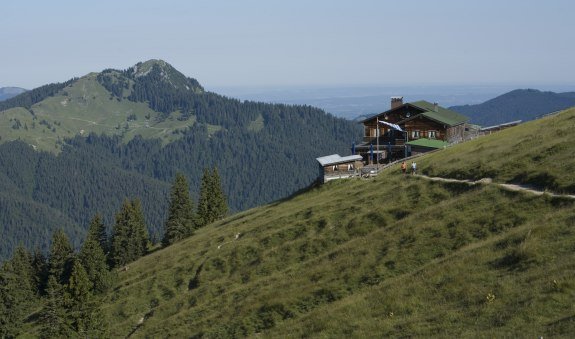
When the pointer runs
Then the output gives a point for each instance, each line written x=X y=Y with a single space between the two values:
x=263 y=152
x=520 y=104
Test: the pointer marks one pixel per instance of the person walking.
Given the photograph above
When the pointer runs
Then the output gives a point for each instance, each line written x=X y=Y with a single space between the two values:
x=403 y=167
x=413 y=167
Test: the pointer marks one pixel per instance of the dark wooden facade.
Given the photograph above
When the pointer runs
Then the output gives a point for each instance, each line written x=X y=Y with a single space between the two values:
x=417 y=120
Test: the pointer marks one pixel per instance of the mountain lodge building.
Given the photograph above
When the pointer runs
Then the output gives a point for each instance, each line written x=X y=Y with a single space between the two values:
x=409 y=128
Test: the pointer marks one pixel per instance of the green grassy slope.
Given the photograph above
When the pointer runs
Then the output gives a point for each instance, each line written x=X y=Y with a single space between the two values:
x=391 y=256
x=538 y=153
x=82 y=108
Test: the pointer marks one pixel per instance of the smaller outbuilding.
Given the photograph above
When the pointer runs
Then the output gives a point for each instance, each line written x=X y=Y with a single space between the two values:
x=337 y=167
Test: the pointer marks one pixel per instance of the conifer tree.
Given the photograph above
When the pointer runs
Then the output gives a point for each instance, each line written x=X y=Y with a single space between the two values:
x=94 y=262
x=54 y=315
x=212 y=205
x=204 y=201
x=181 y=220
x=12 y=302
x=82 y=305
x=219 y=200
x=141 y=230
x=22 y=268
x=130 y=237
x=40 y=269
x=18 y=292
x=97 y=233
x=61 y=255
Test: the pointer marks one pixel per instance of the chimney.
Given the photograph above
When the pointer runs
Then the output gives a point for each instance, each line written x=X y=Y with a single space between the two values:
x=435 y=106
x=396 y=102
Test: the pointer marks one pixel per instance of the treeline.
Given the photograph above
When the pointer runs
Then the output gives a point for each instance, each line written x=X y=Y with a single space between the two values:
x=68 y=285
x=29 y=98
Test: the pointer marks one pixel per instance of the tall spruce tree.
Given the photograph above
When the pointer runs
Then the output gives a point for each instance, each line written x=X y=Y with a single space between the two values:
x=97 y=233
x=204 y=210
x=22 y=267
x=13 y=302
x=181 y=220
x=212 y=205
x=219 y=199
x=84 y=314
x=61 y=257
x=40 y=268
x=93 y=260
x=141 y=230
x=130 y=236
x=54 y=318
x=79 y=289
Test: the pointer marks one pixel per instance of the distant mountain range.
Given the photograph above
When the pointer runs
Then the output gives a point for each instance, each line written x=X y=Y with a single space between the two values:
x=9 y=92
x=520 y=104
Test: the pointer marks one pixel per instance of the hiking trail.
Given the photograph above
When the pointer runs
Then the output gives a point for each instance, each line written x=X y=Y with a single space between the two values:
x=509 y=187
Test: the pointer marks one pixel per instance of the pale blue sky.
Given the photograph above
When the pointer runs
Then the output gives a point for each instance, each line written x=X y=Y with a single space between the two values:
x=295 y=42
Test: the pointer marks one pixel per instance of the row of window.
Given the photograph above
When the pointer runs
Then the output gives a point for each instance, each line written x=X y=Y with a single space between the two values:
x=416 y=134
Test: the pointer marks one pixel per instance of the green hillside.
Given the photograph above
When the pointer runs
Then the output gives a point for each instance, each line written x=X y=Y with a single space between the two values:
x=82 y=108
x=538 y=153
x=385 y=257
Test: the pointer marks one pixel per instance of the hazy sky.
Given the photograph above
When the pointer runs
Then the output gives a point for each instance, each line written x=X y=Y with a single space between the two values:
x=293 y=42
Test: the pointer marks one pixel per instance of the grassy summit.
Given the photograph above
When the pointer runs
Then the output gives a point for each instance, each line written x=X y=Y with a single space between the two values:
x=391 y=256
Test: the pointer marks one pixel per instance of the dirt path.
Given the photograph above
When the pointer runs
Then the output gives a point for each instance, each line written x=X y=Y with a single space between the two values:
x=509 y=187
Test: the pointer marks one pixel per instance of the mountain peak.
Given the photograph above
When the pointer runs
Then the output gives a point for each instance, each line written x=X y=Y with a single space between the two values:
x=143 y=68
x=166 y=73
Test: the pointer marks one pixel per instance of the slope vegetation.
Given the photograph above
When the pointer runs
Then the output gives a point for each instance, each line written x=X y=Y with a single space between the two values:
x=520 y=104
x=538 y=153
x=390 y=256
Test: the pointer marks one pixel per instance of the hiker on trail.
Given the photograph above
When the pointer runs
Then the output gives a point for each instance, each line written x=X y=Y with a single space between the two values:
x=413 y=168
x=403 y=167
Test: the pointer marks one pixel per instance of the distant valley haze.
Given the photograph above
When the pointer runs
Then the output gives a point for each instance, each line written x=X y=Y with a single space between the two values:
x=351 y=102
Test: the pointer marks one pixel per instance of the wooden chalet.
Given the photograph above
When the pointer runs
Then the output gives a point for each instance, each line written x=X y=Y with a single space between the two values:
x=393 y=134
x=337 y=167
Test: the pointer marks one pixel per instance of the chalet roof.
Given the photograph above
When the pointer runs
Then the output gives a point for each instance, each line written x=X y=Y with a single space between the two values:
x=507 y=124
x=431 y=143
x=442 y=115
x=335 y=159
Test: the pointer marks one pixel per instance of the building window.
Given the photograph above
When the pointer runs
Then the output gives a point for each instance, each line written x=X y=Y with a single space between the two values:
x=432 y=134
x=414 y=134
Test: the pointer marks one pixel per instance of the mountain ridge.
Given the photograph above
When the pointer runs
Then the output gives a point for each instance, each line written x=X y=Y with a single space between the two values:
x=519 y=104
x=9 y=92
